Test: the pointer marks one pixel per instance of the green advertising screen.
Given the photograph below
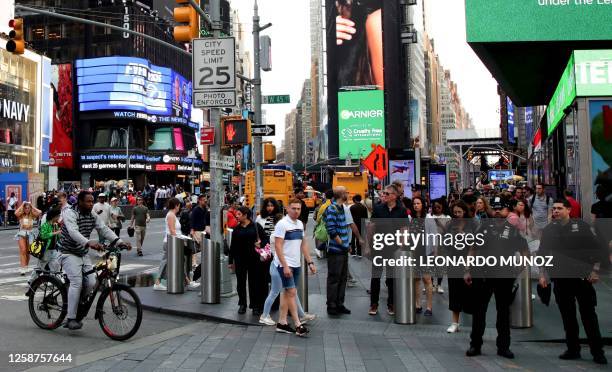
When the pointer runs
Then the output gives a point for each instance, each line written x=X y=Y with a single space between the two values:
x=537 y=20
x=361 y=122
x=588 y=74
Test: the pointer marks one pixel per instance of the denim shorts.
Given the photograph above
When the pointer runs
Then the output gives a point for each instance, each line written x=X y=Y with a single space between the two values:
x=290 y=282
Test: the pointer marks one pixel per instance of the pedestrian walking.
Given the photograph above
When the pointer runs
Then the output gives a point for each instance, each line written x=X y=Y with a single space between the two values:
x=461 y=223
x=26 y=214
x=139 y=221
x=390 y=207
x=49 y=235
x=337 y=253
x=246 y=262
x=577 y=257
x=359 y=213
x=172 y=228
x=116 y=217
x=289 y=241
x=422 y=274
x=435 y=223
x=541 y=208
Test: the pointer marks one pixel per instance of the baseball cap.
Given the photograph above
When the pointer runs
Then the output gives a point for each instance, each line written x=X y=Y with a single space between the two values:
x=113 y=199
x=499 y=203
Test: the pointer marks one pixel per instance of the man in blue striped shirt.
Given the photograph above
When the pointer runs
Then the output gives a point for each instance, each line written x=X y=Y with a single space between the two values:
x=337 y=253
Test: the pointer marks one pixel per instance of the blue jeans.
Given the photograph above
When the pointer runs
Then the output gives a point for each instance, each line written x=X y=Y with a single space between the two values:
x=275 y=288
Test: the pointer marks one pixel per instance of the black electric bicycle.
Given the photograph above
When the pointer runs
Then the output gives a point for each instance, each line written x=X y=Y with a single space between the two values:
x=48 y=300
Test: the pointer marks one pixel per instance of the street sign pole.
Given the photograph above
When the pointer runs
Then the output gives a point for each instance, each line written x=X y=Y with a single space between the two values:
x=217 y=195
x=257 y=149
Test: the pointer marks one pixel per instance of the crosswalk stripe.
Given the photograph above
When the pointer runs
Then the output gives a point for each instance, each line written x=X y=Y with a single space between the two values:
x=9 y=264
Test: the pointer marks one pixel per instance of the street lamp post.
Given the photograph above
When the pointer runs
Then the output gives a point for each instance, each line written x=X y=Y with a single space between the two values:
x=127 y=158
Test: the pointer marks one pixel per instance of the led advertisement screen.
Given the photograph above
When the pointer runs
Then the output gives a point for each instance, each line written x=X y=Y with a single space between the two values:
x=600 y=117
x=437 y=182
x=537 y=20
x=61 y=144
x=501 y=175
x=361 y=122
x=127 y=83
x=363 y=51
x=403 y=171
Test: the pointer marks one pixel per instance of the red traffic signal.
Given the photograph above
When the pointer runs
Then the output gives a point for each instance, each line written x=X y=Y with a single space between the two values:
x=236 y=131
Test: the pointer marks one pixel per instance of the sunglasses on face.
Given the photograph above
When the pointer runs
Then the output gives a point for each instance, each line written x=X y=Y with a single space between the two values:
x=388 y=193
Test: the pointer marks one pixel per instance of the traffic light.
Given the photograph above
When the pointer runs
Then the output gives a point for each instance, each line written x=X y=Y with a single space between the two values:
x=269 y=151
x=16 y=44
x=236 y=131
x=190 y=22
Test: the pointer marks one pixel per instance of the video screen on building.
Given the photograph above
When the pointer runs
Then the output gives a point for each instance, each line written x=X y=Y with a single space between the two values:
x=437 y=182
x=356 y=75
x=361 y=122
x=61 y=144
x=501 y=175
x=127 y=83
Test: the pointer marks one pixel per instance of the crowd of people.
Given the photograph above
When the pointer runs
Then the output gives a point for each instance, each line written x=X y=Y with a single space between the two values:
x=267 y=247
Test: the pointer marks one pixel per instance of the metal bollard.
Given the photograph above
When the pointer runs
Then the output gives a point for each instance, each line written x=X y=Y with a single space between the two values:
x=404 y=290
x=521 y=310
x=176 y=265
x=303 y=285
x=227 y=289
x=211 y=276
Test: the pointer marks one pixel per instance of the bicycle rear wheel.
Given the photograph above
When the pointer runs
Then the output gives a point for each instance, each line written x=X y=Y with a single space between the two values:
x=119 y=312
x=48 y=303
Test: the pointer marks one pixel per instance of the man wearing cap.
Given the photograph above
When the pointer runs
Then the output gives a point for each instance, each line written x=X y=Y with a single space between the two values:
x=115 y=216
x=577 y=254
x=140 y=219
x=102 y=210
x=501 y=239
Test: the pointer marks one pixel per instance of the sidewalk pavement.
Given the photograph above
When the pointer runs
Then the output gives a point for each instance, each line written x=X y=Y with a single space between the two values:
x=547 y=319
x=209 y=347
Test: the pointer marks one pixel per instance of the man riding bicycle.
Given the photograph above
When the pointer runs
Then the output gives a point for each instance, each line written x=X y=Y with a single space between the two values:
x=74 y=244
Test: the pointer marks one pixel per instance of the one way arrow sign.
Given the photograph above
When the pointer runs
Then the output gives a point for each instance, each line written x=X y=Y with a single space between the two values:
x=263 y=130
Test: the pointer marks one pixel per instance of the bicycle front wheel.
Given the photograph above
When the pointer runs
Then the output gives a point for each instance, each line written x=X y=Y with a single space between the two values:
x=119 y=312
x=48 y=302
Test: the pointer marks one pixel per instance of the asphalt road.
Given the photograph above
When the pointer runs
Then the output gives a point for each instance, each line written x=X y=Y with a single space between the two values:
x=20 y=335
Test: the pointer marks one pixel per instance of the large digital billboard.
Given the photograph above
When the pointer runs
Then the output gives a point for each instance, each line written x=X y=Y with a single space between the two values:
x=364 y=54
x=127 y=83
x=361 y=122
x=61 y=144
x=537 y=20
x=600 y=117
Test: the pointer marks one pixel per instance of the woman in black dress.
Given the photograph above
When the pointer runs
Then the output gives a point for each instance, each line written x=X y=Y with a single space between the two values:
x=461 y=223
x=244 y=259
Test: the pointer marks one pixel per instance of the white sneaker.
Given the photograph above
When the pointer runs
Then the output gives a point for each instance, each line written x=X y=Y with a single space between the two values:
x=23 y=271
x=159 y=287
x=454 y=327
x=192 y=286
x=440 y=290
x=267 y=320
x=318 y=253
x=308 y=317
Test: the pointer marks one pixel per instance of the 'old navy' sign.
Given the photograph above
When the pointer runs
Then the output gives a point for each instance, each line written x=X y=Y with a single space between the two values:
x=14 y=110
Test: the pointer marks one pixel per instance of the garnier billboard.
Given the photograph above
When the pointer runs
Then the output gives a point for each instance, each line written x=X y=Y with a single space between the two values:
x=361 y=119
x=537 y=20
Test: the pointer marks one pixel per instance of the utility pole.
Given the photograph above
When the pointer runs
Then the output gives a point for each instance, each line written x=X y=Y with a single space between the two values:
x=257 y=150
x=217 y=193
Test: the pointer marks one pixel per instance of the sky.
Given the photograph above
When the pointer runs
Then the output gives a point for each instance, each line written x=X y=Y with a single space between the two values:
x=290 y=34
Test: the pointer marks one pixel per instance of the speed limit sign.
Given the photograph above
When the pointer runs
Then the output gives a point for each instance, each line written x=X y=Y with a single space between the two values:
x=214 y=64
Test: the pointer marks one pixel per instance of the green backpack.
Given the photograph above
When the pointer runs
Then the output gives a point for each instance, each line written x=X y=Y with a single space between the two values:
x=320 y=231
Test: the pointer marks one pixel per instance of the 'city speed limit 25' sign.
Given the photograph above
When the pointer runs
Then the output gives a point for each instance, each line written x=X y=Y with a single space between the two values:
x=214 y=66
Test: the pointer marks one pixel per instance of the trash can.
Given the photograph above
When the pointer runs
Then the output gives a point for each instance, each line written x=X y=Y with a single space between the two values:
x=176 y=264
x=303 y=285
x=521 y=310
x=404 y=289
x=227 y=289
x=211 y=276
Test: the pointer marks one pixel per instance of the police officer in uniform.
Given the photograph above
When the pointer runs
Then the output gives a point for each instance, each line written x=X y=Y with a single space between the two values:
x=500 y=239
x=577 y=254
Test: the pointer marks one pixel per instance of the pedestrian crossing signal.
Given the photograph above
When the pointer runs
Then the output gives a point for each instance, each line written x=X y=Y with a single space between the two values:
x=236 y=131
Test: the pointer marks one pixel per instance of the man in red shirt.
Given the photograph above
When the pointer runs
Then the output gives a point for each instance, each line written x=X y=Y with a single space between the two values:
x=575 y=211
x=131 y=199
